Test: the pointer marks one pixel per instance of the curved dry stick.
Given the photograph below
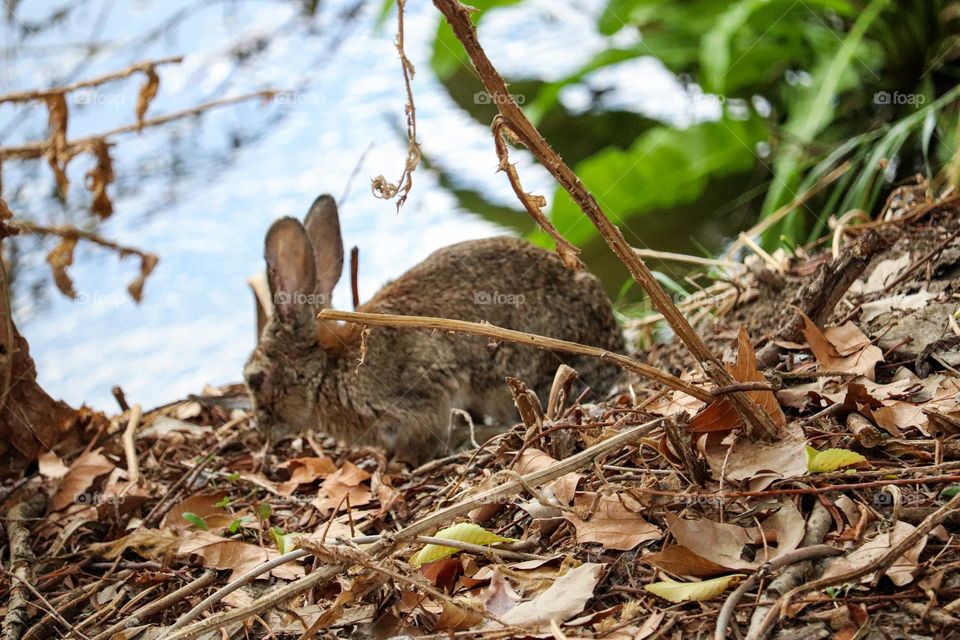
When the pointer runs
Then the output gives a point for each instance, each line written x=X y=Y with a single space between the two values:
x=520 y=337
x=797 y=555
x=147 y=611
x=229 y=588
x=532 y=203
x=779 y=610
x=380 y=187
x=458 y=17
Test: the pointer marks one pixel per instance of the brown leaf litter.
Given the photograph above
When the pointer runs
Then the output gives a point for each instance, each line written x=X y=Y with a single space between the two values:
x=872 y=382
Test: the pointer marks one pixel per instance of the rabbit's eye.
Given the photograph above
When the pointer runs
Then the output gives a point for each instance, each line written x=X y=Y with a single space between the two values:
x=256 y=380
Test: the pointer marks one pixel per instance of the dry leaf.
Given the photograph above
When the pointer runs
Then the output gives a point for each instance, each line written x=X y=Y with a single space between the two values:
x=223 y=553
x=147 y=264
x=152 y=544
x=99 y=178
x=760 y=463
x=442 y=573
x=611 y=524
x=305 y=471
x=343 y=526
x=164 y=427
x=203 y=505
x=680 y=561
x=883 y=274
x=675 y=402
x=847 y=339
x=51 y=466
x=721 y=415
x=745 y=370
x=902 y=302
x=455 y=616
x=900 y=414
x=500 y=596
x=900 y=572
x=148 y=91
x=57 y=151
x=726 y=544
x=83 y=472
x=565 y=598
x=690 y=591
x=59 y=259
x=563 y=488
x=342 y=485
x=829 y=355
x=722 y=544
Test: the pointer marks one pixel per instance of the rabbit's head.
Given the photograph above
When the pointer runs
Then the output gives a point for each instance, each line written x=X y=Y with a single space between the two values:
x=304 y=263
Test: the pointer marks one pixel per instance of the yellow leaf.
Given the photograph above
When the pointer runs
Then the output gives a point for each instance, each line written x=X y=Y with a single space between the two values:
x=691 y=591
x=833 y=459
x=463 y=532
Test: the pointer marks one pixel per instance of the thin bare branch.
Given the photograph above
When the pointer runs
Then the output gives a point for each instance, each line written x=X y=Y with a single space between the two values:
x=38 y=149
x=520 y=337
x=43 y=94
x=534 y=204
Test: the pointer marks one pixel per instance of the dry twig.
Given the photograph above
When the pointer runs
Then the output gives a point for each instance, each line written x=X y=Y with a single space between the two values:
x=130 y=447
x=34 y=150
x=42 y=94
x=520 y=337
x=29 y=508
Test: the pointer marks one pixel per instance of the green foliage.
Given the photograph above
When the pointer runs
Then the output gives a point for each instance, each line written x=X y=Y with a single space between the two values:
x=279 y=539
x=815 y=107
x=195 y=520
x=238 y=523
x=819 y=83
x=663 y=168
x=264 y=511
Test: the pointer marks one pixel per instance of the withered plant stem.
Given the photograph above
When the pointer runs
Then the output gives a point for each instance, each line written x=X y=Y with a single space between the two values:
x=458 y=16
x=40 y=94
x=520 y=337
x=33 y=150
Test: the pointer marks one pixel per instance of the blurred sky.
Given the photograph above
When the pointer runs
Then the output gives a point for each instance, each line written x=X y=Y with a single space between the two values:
x=204 y=211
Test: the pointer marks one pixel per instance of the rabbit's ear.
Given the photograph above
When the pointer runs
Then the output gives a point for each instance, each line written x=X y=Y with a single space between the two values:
x=263 y=303
x=291 y=269
x=323 y=229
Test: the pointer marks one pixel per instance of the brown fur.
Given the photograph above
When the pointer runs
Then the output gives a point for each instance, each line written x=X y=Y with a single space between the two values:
x=306 y=377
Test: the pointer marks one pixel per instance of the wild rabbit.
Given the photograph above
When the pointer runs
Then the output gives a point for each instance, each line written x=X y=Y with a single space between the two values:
x=304 y=374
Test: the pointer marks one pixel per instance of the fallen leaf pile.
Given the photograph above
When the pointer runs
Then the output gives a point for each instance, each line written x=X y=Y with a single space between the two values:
x=646 y=540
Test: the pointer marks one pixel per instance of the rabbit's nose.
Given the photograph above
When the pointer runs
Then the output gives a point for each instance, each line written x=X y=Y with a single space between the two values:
x=256 y=380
